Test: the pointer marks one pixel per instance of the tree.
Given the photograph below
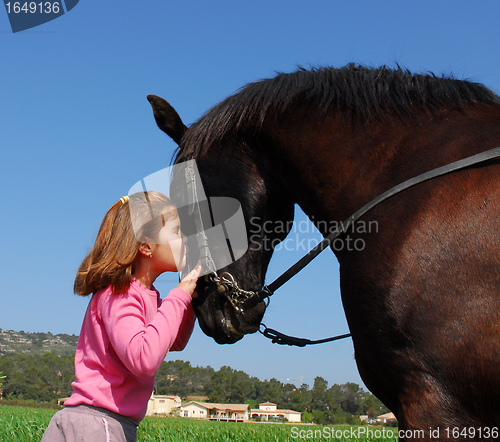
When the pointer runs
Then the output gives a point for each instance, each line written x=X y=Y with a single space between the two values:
x=319 y=394
x=300 y=399
x=230 y=386
x=352 y=398
x=334 y=396
x=319 y=417
x=272 y=391
x=369 y=401
x=180 y=378
x=42 y=378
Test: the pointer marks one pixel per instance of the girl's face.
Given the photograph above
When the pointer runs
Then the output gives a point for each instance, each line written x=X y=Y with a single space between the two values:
x=169 y=255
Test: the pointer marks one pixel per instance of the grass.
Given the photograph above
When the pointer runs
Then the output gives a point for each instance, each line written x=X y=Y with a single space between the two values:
x=18 y=424
x=23 y=424
x=188 y=430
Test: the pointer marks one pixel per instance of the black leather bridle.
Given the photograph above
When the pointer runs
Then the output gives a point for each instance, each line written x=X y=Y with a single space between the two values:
x=243 y=300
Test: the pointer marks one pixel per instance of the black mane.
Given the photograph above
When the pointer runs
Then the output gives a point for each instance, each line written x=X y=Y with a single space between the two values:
x=357 y=92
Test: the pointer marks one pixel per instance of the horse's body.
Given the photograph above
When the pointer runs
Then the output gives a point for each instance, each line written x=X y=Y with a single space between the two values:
x=422 y=298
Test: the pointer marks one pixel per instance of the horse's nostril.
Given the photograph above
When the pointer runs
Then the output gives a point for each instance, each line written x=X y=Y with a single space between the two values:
x=195 y=302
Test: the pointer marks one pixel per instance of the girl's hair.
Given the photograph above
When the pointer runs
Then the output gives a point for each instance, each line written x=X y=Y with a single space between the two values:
x=110 y=261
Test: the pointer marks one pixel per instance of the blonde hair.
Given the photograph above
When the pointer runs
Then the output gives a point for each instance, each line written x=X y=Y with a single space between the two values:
x=110 y=261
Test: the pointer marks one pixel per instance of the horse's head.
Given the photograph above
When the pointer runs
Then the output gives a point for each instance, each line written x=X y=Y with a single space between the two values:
x=233 y=168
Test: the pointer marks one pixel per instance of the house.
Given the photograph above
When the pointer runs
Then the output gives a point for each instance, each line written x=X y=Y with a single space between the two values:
x=268 y=410
x=219 y=412
x=162 y=405
x=365 y=418
x=385 y=418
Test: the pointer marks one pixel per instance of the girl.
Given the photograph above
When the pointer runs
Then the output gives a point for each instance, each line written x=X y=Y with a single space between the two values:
x=127 y=330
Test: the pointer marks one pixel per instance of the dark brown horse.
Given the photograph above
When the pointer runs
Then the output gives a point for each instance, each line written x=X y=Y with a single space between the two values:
x=422 y=296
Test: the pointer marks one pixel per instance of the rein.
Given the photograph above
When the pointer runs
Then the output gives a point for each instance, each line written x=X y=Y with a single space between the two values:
x=243 y=300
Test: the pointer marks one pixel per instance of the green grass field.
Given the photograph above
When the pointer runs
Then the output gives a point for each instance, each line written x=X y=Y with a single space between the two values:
x=19 y=424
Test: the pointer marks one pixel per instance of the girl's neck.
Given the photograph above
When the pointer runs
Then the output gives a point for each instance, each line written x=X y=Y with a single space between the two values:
x=144 y=273
x=145 y=280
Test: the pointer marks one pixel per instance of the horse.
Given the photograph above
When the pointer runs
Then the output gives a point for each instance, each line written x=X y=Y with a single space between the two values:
x=422 y=296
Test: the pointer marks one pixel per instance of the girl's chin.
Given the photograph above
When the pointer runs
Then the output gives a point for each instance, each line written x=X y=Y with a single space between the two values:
x=181 y=265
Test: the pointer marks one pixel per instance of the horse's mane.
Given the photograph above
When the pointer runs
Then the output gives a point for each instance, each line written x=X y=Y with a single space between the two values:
x=358 y=92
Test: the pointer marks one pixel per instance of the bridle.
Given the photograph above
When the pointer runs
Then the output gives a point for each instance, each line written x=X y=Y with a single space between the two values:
x=243 y=300
x=240 y=299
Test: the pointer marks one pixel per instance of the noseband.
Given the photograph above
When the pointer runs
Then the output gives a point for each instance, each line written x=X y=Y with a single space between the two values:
x=243 y=300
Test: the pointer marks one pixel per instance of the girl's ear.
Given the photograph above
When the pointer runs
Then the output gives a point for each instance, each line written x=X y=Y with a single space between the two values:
x=145 y=249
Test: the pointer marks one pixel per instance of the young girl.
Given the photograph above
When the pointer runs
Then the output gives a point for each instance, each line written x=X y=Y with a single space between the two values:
x=127 y=330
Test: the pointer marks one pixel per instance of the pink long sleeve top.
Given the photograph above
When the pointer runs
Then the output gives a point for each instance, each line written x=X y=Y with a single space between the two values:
x=123 y=341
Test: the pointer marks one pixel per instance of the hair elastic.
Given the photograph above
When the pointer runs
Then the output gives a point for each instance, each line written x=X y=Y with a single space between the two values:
x=124 y=199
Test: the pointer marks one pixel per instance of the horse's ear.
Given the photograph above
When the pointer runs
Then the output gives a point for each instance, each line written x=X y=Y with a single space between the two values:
x=167 y=118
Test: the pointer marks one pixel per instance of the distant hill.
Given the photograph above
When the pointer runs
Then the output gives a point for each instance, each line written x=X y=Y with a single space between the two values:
x=36 y=344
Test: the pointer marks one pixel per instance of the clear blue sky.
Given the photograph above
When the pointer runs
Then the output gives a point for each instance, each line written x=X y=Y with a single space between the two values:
x=77 y=132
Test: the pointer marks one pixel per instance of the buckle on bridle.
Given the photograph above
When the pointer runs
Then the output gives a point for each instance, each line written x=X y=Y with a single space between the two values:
x=240 y=299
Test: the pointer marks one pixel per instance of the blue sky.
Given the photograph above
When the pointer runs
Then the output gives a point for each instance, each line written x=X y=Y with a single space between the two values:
x=77 y=132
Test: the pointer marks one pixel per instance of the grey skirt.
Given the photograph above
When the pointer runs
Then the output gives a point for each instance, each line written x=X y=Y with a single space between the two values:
x=84 y=423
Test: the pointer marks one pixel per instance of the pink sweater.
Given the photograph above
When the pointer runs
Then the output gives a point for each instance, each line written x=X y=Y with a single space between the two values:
x=123 y=341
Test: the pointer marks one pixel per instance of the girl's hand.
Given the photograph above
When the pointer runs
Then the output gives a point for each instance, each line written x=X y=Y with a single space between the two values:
x=188 y=283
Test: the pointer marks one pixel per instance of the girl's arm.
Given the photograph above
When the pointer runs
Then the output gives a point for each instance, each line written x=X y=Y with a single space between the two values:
x=142 y=345
x=187 y=284
x=185 y=330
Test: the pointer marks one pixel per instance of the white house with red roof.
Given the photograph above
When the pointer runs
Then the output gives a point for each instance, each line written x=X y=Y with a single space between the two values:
x=269 y=411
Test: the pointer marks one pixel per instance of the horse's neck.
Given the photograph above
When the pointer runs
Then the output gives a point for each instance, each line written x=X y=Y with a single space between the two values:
x=333 y=169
